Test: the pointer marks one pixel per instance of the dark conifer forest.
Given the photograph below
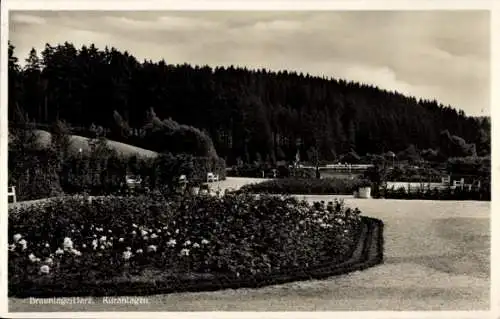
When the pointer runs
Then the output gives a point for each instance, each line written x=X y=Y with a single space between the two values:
x=241 y=114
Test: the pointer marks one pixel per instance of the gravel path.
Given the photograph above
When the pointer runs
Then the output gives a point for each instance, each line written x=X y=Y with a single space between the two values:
x=436 y=258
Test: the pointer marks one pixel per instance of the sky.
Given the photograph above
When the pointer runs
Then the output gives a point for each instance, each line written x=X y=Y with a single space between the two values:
x=442 y=55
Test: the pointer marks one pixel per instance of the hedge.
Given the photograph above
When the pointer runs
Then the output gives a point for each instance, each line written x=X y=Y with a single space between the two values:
x=336 y=186
x=38 y=173
x=483 y=194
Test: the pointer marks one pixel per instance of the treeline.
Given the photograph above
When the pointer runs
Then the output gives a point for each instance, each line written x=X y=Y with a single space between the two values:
x=249 y=115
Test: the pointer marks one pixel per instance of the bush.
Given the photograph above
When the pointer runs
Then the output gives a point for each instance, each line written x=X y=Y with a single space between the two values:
x=482 y=194
x=235 y=235
x=42 y=173
x=303 y=172
x=338 y=186
x=106 y=175
x=34 y=173
x=414 y=175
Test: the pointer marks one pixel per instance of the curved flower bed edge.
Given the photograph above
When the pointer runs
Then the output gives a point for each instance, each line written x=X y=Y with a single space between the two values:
x=368 y=253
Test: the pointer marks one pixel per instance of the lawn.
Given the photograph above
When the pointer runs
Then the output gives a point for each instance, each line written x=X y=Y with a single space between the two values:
x=80 y=142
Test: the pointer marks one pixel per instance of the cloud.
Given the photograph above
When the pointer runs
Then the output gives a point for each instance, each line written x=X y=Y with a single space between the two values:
x=166 y=23
x=26 y=19
x=430 y=54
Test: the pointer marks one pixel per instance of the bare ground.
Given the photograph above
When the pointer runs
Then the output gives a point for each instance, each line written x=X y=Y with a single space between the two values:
x=437 y=257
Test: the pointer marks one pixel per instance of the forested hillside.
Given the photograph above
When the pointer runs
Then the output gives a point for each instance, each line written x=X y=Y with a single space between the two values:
x=249 y=114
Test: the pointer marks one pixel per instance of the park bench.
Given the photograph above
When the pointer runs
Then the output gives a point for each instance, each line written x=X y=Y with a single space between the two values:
x=445 y=180
x=132 y=181
x=211 y=177
x=11 y=192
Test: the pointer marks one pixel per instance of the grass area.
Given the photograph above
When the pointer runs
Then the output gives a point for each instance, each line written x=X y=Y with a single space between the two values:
x=80 y=142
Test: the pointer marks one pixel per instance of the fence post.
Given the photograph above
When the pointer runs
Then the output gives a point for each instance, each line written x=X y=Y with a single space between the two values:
x=12 y=193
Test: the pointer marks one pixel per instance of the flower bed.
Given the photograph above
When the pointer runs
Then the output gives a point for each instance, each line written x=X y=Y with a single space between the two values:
x=324 y=186
x=236 y=237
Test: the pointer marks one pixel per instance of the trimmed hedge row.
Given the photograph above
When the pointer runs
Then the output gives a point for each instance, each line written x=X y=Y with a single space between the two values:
x=330 y=186
x=367 y=253
x=433 y=194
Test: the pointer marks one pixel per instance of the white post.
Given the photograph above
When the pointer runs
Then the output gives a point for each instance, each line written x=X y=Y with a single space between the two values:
x=14 y=194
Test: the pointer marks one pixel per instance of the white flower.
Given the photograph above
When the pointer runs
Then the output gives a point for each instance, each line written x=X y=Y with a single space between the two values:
x=103 y=239
x=59 y=251
x=171 y=243
x=165 y=227
x=187 y=243
x=138 y=251
x=84 y=246
x=176 y=231
x=143 y=232
x=95 y=236
x=121 y=239
x=94 y=243
x=196 y=245
x=110 y=231
x=49 y=261
x=151 y=248
x=134 y=225
x=102 y=247
x=68 y=243
x=133 y=232
x=204 y=241
x=126 y=255
x=158 y=231
x=72 y=230
x=17 y=237
x=346 y=231
x=47 y=245
x=185 y=252
x=76 y=252
x=45 y=269
x=153 y=236
x=128 y=248
x=32 y=257
x=109 y=244
x=23 y=243
x=12 y=247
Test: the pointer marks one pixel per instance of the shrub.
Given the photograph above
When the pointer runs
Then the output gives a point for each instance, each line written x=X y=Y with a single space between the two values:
x=303 y=172
x=44 y=173
x=305 y=186
x=34 y=173
x=428 y=193
x=105 y=175
x=237 y=235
